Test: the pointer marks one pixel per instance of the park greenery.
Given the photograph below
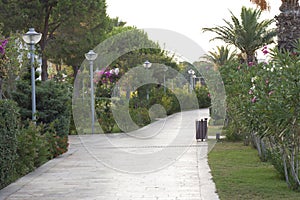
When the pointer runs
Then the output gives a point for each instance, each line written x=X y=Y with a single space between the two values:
x=239 y=174
x=262 y=98
x=26 y=144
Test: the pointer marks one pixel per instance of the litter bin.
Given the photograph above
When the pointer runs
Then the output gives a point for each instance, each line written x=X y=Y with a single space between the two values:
x=201 y=129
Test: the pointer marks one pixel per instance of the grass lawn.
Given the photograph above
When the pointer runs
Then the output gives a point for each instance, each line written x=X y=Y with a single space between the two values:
x=239 y=174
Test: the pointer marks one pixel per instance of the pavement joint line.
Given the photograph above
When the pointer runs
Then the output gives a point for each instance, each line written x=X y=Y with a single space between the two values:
x=154 y=147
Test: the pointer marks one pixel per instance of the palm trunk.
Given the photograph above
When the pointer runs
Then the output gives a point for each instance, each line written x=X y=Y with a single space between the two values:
x=288 y=24
x=251 y=58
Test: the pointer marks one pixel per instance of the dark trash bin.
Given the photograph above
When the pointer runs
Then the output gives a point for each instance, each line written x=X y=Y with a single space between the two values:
x=201 y=129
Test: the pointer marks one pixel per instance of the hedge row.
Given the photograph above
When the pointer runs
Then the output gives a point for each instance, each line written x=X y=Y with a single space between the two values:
x=25 y=146
x=8 y=141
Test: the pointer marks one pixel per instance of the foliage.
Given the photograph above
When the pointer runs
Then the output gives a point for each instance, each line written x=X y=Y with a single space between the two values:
x=140 y=116
x=276 y=99
x=203 y=96
x=63 y=32
x=33 y=149
x=106 y=81
x=52 y=103
x=57 y=144
x=130 y=41
x=220 y=56
x=9 y=122
x=27 y=148
x=263 y=104
x=11 y=60
x=247 y=34
x=263 y=4
x=217 y=95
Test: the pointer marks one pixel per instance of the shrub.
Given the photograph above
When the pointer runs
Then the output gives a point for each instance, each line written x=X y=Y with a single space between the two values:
x=105 y=115
x=53 y=104
x=140 y=116
x=8 y=141
x=33 y=149
x=203 y=96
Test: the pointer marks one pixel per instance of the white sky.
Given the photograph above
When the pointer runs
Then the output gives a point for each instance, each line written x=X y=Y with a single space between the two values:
x=187 y=17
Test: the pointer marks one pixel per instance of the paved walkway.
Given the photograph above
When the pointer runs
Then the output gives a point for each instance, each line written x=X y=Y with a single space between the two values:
x=154 y=163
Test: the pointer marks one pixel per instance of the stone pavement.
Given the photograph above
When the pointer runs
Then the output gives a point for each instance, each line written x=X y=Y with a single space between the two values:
x=139 y=166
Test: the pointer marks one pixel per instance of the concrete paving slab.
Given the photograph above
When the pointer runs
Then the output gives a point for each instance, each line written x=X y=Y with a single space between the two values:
x=89 y=170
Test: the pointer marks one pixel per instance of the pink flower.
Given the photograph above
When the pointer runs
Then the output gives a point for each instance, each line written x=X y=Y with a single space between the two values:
x=267 y=81
x=253 y=100
x=265 y=50
x=250 y=92
x=250 y=64
x=2 y=50
x=208 y=95
x=3 y=45
x=271 y=92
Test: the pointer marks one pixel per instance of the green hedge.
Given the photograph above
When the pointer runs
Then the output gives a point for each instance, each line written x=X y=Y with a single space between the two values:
x=9 y=122
x=53 y=104
x=32 y=151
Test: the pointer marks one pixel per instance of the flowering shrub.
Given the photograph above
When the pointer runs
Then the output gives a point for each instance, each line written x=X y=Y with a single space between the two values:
x=263 y=104
x=3 y=44
x=105 y=80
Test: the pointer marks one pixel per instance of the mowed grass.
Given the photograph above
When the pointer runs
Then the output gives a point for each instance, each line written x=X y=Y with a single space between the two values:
x=239 y=174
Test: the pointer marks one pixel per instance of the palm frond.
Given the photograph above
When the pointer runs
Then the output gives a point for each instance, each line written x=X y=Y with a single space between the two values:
x=247 y=33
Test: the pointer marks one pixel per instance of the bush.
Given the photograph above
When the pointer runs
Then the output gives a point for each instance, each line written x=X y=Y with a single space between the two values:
x=140 y=116
x=203 y=96
x=53 y=104
x=105 y=115
x=8 y=141
x=33 y=149
x=57 y=145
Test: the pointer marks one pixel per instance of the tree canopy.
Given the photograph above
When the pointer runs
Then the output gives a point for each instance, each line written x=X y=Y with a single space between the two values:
x=69 y=28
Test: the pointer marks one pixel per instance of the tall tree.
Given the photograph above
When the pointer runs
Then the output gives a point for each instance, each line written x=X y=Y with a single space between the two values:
x=247 y=34
x=51 y=17
x=288 y=22
x=77 y=37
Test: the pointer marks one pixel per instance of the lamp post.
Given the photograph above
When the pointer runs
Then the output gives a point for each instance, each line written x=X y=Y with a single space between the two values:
x=31 y=38
x=91 y=56
x=147 y=66
x=165 y=69
x=191 y=73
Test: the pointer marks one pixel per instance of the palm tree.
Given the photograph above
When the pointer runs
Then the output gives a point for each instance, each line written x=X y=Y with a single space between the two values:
x=247 y=35
x=288 y=22
x=220 y=56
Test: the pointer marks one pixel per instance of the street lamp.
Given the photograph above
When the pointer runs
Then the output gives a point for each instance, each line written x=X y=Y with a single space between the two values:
x=147 y=65
x=192 y=74
x=165 y=69
x=31 y=38
x=91 y=56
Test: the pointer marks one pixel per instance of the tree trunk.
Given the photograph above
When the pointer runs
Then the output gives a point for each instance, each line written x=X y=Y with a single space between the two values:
x=288 y=24
x=44 y=74
x=75 y=71
x=251 y=58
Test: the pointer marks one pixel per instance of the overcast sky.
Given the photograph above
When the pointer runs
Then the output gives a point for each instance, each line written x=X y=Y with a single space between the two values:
x=187 y=17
